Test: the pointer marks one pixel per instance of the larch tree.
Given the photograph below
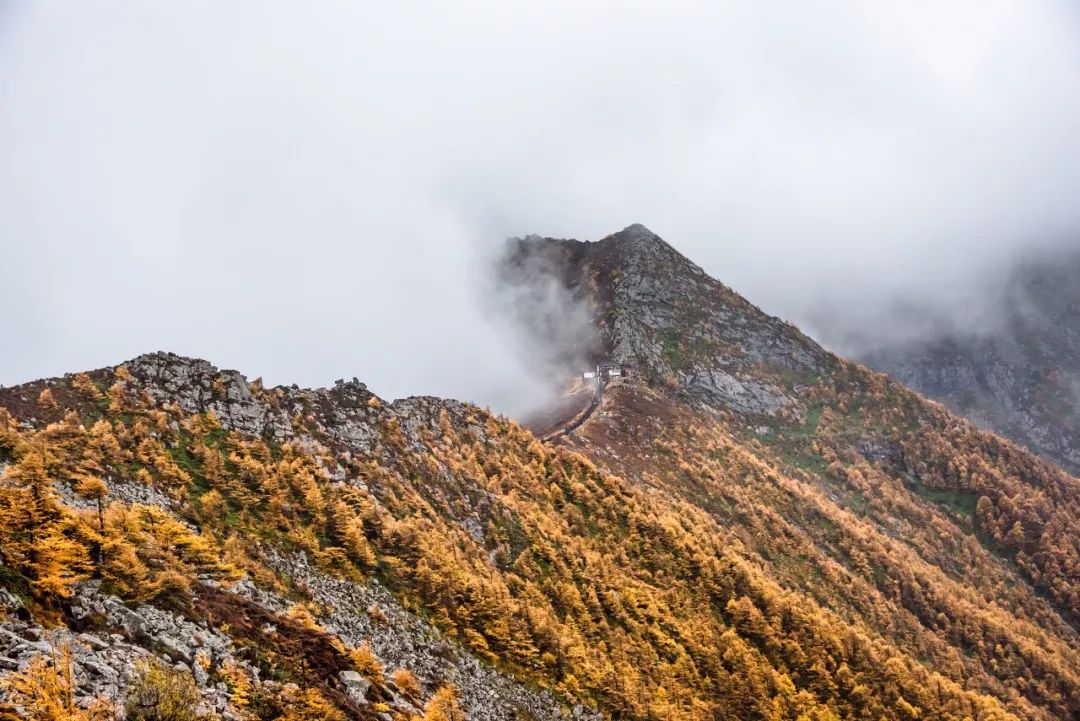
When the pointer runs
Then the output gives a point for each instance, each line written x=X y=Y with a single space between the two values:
x=444 y=706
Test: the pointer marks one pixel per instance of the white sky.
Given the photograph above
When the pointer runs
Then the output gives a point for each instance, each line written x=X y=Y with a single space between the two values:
x=306 y=191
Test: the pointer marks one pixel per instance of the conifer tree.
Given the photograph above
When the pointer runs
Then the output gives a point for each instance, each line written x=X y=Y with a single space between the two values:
x=46 y=691
x=444 y=706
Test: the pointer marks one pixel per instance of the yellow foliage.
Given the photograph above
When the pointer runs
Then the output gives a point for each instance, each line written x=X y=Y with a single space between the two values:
x=58 y=563
x=365 y=662
x=300 y=613
x=444 y=706
x=213 y=506
x=82 y=383
x=309 y=704
x=161 y=693
x=46 y=689
x=407 y=682
x=46 y=400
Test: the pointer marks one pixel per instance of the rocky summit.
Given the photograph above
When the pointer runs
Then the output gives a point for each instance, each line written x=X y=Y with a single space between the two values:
x=654 y=310
x=741 y=525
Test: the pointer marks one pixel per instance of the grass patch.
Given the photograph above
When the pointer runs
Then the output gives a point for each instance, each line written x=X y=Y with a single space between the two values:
x=960 y=503
x=217 y=438
x=17 y=583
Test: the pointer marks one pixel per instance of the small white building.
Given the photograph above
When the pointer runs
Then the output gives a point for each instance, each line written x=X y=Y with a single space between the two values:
x=604 y=370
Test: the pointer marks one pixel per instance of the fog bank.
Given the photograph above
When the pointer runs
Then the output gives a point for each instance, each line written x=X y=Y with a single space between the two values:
x=307 y=192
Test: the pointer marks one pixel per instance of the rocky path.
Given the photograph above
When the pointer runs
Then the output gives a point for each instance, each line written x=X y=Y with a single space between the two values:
x=598 y=396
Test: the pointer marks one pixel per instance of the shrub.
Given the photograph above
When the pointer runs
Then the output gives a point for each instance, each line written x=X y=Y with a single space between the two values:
x=366 y=664
x=407 y=682
x=160 y=693
x=444 y=706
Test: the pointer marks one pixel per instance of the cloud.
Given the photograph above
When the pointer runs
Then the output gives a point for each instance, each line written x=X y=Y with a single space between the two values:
x=313 y=191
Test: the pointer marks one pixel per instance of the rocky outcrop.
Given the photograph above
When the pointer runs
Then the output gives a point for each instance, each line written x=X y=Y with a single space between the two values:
x=115 y=637
x=369 y=614
x=106 y=656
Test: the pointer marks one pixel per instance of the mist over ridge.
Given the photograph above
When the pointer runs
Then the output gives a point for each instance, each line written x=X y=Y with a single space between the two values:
x=304 y=196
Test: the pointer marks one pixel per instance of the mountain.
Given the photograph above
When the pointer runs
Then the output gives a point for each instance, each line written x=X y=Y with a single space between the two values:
x=1019 y=376
x=743 y=527
x=654 y=310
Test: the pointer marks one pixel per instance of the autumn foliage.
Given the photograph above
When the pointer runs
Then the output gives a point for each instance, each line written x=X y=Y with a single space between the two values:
x=870 y=558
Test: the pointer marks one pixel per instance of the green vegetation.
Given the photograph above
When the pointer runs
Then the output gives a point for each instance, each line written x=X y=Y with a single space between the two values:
x=958 y=502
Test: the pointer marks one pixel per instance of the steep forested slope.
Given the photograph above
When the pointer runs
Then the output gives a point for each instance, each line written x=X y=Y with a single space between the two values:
x=748 y=528
x=845 y=485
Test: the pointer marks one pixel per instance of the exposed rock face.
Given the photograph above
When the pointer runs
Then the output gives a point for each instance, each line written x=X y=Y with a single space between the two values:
x=1021 y=377
x=197 y=386
x=104 y=660
x=402 y=640
x=661 y=314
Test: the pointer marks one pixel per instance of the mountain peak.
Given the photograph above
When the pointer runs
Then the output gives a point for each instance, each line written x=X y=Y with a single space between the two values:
x=636 y=249
x=655 y=310
x=638 y=228
x=637 y=235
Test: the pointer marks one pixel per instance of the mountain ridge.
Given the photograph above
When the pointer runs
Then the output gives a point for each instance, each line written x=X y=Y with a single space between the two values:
x=692 y=551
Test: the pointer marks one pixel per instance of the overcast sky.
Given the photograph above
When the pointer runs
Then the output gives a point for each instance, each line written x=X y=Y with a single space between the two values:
x=307 y=191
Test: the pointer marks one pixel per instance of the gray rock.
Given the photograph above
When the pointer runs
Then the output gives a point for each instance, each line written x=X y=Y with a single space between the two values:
x=356 y=686
x=9 y=600
x=407 y=641
x=92 y=641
